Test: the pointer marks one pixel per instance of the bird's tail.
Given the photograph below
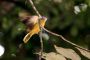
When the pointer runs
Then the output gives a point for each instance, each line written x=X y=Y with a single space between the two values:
x=27 y=37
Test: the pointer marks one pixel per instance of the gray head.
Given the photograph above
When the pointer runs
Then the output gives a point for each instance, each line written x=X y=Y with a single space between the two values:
x=44 y=18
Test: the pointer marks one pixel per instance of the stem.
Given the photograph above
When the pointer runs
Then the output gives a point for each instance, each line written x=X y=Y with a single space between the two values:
x=35 y=8
x=40 y=33
x=64 y=39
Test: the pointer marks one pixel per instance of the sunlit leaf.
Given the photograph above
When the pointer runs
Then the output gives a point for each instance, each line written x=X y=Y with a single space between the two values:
x=68 y=53
x=84 y=53
x=53 y=56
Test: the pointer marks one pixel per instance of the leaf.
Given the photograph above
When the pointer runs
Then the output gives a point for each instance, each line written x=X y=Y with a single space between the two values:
x=53 y=56
x=84 y=53
x=68 y=53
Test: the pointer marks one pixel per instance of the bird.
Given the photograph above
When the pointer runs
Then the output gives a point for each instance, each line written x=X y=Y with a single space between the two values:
x=33 y=26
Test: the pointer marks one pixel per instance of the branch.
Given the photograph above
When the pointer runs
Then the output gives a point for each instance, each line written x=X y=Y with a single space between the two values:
x=40 y=33
x=64 y=39
x=33 y=6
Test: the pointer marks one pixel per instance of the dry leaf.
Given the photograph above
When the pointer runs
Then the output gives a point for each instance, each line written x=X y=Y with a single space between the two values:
x=68 y=53
x=84 y=53
x=54 y=56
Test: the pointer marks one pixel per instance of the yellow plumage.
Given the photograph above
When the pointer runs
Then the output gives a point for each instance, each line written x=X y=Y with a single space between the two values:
x=35 y=30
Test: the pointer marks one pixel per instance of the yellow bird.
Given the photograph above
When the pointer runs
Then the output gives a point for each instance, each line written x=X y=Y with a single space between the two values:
x=33 y=26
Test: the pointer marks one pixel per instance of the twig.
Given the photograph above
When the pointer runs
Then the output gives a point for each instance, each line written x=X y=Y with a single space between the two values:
x=64 y=39
x=35 y=8
x=40 y=33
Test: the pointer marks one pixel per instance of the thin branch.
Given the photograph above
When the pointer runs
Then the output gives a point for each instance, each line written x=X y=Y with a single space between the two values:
x=35 y=8
x=40 y=33
x=64 y=39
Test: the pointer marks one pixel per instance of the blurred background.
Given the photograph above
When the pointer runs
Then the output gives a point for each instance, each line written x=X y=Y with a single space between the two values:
x=70 y=18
